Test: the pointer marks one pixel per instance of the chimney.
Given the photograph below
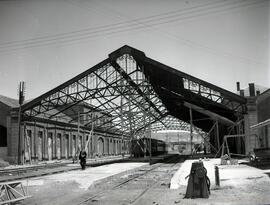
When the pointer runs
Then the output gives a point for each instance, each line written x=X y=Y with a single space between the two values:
x=242 y=93
x=251 y=89
x=238 y=86
x=258 y=92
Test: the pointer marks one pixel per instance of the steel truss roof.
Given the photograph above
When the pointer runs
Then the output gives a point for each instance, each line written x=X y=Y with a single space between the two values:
x=131 y=91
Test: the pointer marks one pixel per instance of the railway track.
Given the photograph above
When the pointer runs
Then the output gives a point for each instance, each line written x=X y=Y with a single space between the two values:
x=20 y=173
x=174 y=164
x=168 y=165
x=22 y=170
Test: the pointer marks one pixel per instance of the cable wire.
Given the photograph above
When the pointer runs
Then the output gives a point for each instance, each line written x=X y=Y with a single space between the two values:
x=100 y=31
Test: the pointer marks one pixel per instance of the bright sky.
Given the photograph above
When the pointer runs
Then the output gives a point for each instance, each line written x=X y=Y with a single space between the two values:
x=45 y=43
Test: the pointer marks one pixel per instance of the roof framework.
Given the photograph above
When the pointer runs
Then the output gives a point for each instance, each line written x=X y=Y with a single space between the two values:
x=131 y=91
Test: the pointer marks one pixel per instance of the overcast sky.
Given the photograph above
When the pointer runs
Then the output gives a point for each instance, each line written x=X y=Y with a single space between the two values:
x=45 y=43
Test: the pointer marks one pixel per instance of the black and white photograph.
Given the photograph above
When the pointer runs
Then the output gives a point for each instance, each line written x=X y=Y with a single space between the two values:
x=134 y=102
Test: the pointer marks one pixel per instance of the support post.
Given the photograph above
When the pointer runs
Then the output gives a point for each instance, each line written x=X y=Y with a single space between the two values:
x=78 y=134
x=217 y=127
x=217 y=180
x=21 y=99
x=90 y=135
x=144 y=140
x=191 y=130
x=150 y=142
x=19 y=139
x=28 y=145
x=122 y=120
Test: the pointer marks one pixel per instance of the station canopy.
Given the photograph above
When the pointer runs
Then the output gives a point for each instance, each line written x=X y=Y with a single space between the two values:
x=128 y=92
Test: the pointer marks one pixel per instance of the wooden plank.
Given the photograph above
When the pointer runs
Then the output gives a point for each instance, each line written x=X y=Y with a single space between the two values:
x=15 y=191
x=15 y=200
x=9 y=194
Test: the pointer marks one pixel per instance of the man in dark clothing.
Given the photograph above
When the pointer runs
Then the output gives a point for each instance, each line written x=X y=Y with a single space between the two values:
x=82 y=158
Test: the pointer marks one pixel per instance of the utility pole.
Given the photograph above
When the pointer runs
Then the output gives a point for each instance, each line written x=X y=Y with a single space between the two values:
x=21 y=92
x=122 y=120
x=150 y=142
x=78 y=137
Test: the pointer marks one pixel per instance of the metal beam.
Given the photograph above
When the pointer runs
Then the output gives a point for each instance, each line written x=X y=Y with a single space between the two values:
x=134 y=85
x=212 y=115
x=225 y=93
x=37 y=100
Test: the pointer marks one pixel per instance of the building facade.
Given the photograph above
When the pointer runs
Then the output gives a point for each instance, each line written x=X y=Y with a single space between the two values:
x=262 y=128
x=257 y=119
x=45 y=140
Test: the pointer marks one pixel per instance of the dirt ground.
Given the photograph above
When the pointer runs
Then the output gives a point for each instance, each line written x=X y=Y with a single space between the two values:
x=75 y=186
x=67 y=188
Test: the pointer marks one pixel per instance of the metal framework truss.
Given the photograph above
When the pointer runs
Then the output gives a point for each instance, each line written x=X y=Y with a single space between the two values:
x=170 y=123
x=113 y=96
x=216 y=95
x=128 y=92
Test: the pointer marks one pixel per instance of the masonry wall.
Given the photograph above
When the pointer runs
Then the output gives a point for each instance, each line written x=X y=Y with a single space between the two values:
x=41 y=142
x=251 y=119
x=4 y=112
x=12 y=138
x=263 y=106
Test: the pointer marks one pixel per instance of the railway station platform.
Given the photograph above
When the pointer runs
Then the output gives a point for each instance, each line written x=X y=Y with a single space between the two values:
x=142 y=183
x=19 y=172
x=239 y=183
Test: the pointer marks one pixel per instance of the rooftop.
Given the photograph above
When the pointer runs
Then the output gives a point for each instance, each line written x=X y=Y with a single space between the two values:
x=10 y=102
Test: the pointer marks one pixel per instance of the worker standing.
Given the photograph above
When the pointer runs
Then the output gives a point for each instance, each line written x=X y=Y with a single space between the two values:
x=82 y=158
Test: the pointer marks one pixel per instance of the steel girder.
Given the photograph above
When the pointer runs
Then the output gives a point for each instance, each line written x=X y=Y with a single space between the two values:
x=170 y=123
x=114 y=96
x=128 y=91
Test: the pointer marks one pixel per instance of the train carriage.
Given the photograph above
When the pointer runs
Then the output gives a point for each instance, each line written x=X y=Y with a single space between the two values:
x=140 y=147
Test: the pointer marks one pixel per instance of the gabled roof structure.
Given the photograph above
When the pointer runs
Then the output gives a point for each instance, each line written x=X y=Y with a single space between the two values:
x=134 y=91
x=10 y=102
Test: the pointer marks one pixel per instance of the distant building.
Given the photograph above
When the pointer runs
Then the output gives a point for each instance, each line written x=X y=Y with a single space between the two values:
x=262 y=127
x=6 y=104
x=178 y=141
x=257 y=119
x=258 y=89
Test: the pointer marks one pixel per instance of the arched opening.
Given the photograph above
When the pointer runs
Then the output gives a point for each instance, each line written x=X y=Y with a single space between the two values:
x=73 y=145
x=58 y=146
x=39 y=145
x=3 y=136
x=66 y=146
x=100 y=146
x=50 y=146
x=27 y=145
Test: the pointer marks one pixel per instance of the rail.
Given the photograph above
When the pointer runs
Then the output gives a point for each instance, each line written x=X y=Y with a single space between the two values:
x=174 y=159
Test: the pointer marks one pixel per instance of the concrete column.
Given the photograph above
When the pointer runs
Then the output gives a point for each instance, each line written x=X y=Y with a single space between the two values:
x=45 y=142
x=69 y=144
x=108 y=145
x=54 y=143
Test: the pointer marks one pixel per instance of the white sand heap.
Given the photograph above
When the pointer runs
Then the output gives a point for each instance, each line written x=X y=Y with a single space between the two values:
x=230 y=175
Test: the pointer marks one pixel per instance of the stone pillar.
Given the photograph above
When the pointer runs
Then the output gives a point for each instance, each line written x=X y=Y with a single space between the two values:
x=251 y=119
x=12 y=137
